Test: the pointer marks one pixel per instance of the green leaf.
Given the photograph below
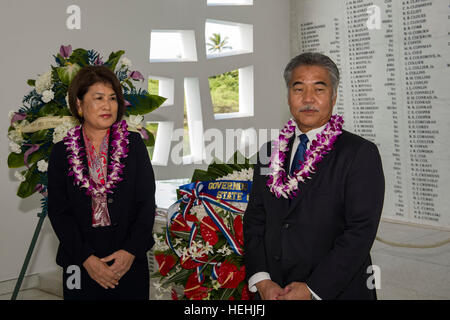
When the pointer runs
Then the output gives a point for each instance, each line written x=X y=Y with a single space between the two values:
x=15 y=160
x=26 y=188
x=130 y=84
x=222 y=167
x=113 y=59
x=179 y=277
x=182 y=234
x=143 y=103
x=79 y=57
x=64 y=112
x=66 y=74
x=201 y=175
x=31 y=82
x=38 y=136
x=150 y=142
x=50 y=108
x=217 y=172
x=227 y=293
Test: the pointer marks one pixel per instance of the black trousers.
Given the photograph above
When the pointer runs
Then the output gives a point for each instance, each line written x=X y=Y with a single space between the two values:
x=134 y=285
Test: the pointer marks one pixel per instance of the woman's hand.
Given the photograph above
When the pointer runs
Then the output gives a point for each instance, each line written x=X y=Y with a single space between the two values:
x=100 y=272
x=122 y=262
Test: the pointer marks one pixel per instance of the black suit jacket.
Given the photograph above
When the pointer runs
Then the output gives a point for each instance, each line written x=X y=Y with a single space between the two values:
x=322 y=237
x=131 y=206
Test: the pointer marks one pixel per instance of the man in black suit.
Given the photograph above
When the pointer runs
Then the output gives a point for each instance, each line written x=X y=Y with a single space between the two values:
x=317 y=244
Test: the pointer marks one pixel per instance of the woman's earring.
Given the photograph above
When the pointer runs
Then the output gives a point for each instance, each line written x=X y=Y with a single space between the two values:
x=80 y=113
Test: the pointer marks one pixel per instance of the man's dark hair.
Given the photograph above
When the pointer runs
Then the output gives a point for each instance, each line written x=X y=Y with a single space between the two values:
x=313 y=59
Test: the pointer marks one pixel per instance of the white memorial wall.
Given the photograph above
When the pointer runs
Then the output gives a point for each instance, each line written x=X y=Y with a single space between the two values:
x=395 y=91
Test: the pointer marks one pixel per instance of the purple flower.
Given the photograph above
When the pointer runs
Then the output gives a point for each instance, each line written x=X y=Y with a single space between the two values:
x=18 y=117
x=144 y=134
x=65 y=51
x=277 y=181
x=75 y=151
x=136 y=75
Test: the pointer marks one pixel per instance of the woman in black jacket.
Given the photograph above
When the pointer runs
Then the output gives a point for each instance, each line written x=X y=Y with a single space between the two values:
x=101 y=190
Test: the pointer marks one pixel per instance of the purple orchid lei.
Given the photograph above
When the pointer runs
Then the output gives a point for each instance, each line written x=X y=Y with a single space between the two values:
x=119 y=146
x=282 y=184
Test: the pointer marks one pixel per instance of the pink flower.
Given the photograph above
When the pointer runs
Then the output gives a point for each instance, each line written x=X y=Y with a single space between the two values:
x=65 y=51
x=136 y=75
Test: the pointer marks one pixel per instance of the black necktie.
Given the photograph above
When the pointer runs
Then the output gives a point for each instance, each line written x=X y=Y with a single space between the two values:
x=299 y=154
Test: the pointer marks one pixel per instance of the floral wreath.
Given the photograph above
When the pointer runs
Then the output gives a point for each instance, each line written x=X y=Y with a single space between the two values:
x=282 y=184
x=45 y=119
x=199 y=252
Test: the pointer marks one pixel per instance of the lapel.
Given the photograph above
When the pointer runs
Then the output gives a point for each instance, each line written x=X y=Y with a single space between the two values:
x=283 y=203
x=304 y=188
x=110 y=199
x=83 y=148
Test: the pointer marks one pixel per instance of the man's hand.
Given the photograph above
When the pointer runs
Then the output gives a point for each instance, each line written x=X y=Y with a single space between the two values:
x=269 y=290
x=100 y=272
x=297 y=291
x=122 y=262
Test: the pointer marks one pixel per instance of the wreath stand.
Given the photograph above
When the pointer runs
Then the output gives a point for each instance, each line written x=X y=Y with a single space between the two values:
x=41 y=216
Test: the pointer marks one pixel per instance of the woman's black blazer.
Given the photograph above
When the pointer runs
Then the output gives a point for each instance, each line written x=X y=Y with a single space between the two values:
x=131 y=206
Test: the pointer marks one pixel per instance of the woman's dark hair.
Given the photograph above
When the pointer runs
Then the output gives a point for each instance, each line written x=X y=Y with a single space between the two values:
x=89 y=76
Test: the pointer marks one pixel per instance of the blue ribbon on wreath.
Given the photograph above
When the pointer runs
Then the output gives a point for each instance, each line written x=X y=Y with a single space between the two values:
x=209 y=193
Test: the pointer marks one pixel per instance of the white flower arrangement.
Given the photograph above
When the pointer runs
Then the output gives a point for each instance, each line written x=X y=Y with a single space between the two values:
x=19 y=176
x=126 y=62
x=36 y=126
x=42 y=165
x=14 y=147
x=47 y=96
x=60 y=131
x=44 y=82
x=160 y=243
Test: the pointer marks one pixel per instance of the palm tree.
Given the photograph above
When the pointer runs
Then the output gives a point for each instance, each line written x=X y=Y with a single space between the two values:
x=217 y=43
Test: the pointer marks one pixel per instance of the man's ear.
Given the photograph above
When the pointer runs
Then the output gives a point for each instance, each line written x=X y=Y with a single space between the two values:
x=333 y=100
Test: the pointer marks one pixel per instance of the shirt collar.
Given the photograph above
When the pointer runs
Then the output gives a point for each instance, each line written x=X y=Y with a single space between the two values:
x=311 y=134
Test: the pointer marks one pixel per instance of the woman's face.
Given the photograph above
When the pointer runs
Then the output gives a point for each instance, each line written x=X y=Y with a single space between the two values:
x=99 y=106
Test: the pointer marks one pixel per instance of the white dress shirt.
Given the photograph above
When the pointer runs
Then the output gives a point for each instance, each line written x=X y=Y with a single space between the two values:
x=311 y=134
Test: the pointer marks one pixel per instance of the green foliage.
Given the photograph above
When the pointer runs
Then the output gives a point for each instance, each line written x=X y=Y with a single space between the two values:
x=27 y=187
x=153 y=86
x=67 y=73
x=113 y=59
x=143 y=103
x=216 y=169
x=79 y=57
x=217 y=43
x=225 y=92
x=61 y=76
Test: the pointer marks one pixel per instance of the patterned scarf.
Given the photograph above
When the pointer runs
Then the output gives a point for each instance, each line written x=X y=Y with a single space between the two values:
x=97 y=163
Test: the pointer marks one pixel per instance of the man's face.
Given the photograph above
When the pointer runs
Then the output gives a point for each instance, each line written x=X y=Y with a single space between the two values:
x=311 y=99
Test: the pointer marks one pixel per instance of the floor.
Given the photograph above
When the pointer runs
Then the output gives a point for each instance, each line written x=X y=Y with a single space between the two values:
x=406 y=273
x=31 y=294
